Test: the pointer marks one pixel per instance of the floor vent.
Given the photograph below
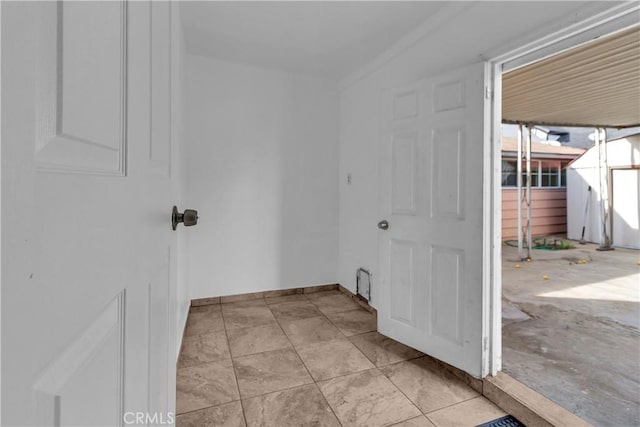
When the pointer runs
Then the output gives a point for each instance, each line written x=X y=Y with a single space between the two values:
x=507 y=421
x=363 y=283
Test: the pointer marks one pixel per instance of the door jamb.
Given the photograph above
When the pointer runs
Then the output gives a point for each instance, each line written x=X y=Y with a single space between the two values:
x=619 y=18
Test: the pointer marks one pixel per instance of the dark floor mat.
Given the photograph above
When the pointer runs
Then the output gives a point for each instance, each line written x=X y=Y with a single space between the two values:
x=507 y=421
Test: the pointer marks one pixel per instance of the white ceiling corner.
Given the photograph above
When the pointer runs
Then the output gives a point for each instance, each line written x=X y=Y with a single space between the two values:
x=326 y=38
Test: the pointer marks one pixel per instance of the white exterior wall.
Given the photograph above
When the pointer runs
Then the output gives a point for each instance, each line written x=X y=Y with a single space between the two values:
x=583 y=173
x=262 y=160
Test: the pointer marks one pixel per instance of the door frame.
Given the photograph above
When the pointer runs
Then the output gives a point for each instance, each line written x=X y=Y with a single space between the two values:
x=615 y=19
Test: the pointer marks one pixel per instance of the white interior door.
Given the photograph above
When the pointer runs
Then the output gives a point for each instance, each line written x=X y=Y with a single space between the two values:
x=432 y=197
x=89 y=255
x=626 y=208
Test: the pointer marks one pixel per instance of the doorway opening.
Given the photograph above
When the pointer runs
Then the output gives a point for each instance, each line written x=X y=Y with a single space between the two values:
x=565 y=127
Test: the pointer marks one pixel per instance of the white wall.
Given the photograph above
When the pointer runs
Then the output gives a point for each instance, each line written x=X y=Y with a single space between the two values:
x=461 y=34
x=262 y=160
x=582 y=173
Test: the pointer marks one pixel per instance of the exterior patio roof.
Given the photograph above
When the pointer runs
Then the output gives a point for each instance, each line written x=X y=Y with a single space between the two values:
x=594 y=85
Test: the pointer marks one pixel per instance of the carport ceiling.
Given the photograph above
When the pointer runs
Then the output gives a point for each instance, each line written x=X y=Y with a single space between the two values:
x=594 y=85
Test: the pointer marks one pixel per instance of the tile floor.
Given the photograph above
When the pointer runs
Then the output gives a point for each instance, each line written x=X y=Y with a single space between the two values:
x=311 y=360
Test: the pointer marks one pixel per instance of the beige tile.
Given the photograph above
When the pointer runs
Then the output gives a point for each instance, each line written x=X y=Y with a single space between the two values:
x=300 y=406
x=282 y=292
x=470 y=413
x=256 y=302
x=367 y=399
x=382 y=350
x=205 y=385
x=242 y=297
x=319 y=288
x=244 y=341
x=429 y=389
x=246 y=314
x=330 y=359
x=204 y=320
x=229 y=414
x=286 y=298
x=354 y=321
x=332 y=302
x=206 y=348
x=205 y=301
x=294 y=310
x=309 y=331
x=435 y=364
x=270 y=371
x=420 y=421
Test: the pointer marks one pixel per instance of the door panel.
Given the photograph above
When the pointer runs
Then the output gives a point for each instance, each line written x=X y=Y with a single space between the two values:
x=447 y=265
x=160 y=80
x=86 y=159
x=80 y=125
x=402 y=263
x=93 y=362
x=403 y=174
x=447 y=169
x=431 y=195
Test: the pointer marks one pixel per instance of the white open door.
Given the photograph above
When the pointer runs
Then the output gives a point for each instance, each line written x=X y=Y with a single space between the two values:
x=431 y=195
x=88 y=260
x=626 y=208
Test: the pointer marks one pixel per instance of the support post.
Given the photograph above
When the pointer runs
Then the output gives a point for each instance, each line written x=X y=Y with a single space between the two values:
x=519 y=190
x=603 y=179
x=528 y=195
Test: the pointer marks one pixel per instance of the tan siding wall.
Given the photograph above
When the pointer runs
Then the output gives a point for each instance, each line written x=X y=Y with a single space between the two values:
x=548 y=212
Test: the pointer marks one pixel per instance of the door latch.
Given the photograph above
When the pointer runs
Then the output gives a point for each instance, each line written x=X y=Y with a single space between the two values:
x=188 y=218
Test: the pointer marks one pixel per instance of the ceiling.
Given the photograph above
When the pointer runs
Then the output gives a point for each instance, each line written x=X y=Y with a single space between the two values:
x=594 y=85
x=326 y=38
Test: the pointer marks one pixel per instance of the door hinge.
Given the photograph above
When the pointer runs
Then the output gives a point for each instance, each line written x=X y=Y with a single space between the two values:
x=488 y=93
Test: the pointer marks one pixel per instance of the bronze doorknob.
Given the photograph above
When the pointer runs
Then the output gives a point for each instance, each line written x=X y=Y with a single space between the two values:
x=188 y=218
x=383 y=225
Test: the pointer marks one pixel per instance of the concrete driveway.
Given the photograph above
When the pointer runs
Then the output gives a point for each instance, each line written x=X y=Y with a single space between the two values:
x=571 y=329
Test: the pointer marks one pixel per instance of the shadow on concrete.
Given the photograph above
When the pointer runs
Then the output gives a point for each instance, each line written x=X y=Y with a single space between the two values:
x=574 y=336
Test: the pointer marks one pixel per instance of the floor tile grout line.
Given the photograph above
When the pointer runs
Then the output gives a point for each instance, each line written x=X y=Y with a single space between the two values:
x=294 y=348
x=402 y=393
x=375 y=368
x=207 y=407
x=206 y=363
x=328 y=404
x=324 y=315
x=233 y=367
x=453 y=404
x=314 y=383
x=343 y=336
x=276 y=391
x=439 y=373
x=179 y=366
x=346 y=375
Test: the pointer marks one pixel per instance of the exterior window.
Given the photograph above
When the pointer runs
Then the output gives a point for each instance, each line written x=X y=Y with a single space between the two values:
x=535 y=172
x=550 y=172
x=544 y=173
x=509 y=171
